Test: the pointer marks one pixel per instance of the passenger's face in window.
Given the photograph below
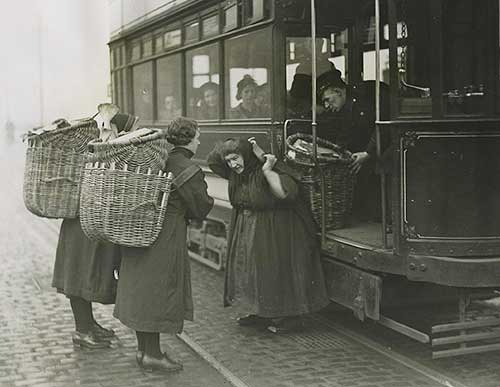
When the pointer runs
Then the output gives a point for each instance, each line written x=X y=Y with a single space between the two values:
x=210 y=98
x=235 y=162
x=170 y=103
x=248 y=94
x=334 y=99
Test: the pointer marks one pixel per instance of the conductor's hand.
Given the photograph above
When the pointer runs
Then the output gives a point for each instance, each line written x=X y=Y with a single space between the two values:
x=269 y=164
x=358 y=159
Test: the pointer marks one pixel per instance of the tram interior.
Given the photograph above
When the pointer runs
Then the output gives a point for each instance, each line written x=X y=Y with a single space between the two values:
x=463 y=29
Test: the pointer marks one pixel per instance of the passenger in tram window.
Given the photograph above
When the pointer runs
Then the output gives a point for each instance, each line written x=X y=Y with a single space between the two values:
x=84 y=269
x=209 y=102
x=154 y=291
x=349 y=121
x=273 y=265
x=246 y=92
x=263 y=99
x=299 y=97
x=170 y=109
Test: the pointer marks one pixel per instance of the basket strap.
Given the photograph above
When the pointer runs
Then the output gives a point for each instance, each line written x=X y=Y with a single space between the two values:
x=185 y=175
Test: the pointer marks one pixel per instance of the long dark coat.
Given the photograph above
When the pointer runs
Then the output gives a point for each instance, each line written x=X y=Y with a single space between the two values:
x=273 y=263
x=84 y=268
x=154 y=289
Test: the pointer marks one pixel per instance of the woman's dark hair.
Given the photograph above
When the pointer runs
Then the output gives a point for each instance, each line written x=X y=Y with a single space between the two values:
x=209 y=86
x=181 y=131
x=231 y=145
x=246 y=81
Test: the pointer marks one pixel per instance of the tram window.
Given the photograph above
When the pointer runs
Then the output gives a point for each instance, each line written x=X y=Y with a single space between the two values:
x=191 y=32
x=147 y=47
x=331 y=52
x=142 y=80
x=172 y=38
x=135 y=50
x=115 y=88
x=159 y=43
x=202 y=76
x=248 y=60
x=414 y=54
x=464 y=62
x=255 y=10
x=210 y=26
x=168 y=76
x=231 y=16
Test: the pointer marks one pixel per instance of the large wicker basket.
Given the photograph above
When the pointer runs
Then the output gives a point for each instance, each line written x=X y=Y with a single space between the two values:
x=125 y=191
x=55 y=160
x=330 y=177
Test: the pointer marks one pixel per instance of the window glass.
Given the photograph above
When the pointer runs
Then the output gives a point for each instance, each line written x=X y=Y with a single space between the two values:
x=135 y=50
x=158 y=39
x=142 y=80
x=255 y=10
x=465 y=65
x=168 y=75
x=115 y=88
x=210 y=26
x=123 y=91
x=231 y=15
x=248 y=60
x=331 y=52
x=192 y=31
x=202 y=76
x=414 y=54
x=147 y=47
x=172 y=38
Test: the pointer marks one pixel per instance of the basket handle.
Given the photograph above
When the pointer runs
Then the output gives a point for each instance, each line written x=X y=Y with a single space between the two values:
x=52 y=179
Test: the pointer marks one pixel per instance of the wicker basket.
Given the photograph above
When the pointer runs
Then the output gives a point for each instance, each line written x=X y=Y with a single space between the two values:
x=330 y=177
x=125 y=192
x=54 y=169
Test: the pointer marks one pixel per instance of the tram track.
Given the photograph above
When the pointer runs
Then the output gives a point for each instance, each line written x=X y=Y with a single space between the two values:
x=45 y=231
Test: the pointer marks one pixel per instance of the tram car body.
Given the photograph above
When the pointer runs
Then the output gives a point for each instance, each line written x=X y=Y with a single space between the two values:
x=439 y=82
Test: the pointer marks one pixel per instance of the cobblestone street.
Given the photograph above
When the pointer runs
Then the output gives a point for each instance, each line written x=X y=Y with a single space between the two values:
x=36 y=325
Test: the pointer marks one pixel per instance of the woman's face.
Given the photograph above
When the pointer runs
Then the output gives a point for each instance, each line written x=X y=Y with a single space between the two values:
x=248 y=94
x=195 y=142
x=235 y=162
x=210 y=97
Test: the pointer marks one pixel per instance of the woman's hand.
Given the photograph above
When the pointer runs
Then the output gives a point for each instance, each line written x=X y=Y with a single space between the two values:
x=269 y=164
x=358 y=159
x=257 y=150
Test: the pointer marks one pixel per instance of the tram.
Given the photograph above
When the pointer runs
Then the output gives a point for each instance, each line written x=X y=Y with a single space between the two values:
x=435 y=67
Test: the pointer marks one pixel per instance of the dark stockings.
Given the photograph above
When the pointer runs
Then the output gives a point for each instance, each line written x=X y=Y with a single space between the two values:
x=82 y=312
x=149 y=342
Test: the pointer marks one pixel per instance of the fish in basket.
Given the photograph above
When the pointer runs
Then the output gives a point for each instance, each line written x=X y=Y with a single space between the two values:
x=55 y=160
x=328 y=185
x=125 y=190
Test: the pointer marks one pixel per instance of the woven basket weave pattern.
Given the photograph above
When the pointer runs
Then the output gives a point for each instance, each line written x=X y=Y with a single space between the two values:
x=54 y=169
x=125 y=192
x=123 y=207
x=336 y=177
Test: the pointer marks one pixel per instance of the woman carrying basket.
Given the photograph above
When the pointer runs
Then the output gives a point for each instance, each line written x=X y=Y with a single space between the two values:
x=154 y=291
x=84 y=272
x=273 y=267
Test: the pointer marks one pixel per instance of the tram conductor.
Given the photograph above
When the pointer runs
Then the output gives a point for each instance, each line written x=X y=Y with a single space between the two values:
x=348 y=120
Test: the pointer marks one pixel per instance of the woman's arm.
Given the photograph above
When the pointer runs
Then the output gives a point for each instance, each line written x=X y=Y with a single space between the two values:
x=217 y=164
x=195 y=196
x=273 y=178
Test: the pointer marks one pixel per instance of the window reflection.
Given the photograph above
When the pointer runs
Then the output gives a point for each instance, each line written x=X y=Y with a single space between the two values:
x=142 y=79
x=248 y=59
x=465 y=65
x=414 y=57
x=168 y=73
x=203 y=83
x=299 y=69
